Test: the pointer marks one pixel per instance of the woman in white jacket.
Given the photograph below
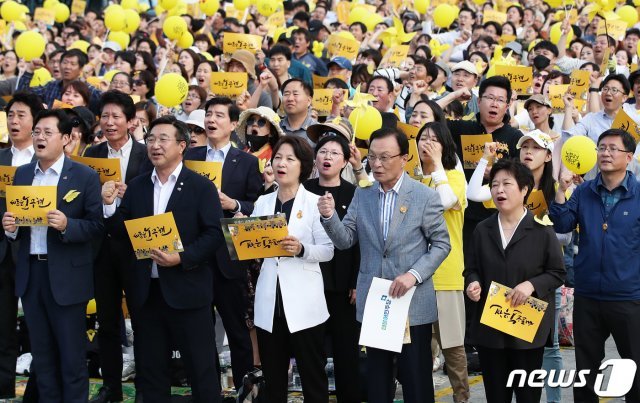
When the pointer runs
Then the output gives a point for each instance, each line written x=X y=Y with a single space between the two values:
x=290 y=308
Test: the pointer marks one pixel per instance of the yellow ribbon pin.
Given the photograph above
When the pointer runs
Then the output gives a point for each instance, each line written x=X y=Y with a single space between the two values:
x=72 y=194
x=543 y=221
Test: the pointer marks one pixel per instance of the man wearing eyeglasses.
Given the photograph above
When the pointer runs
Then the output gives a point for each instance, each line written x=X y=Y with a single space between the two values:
x=607 y=269
x=116 y=117
x=54 y=264
x=614 y=92
x=170 y=294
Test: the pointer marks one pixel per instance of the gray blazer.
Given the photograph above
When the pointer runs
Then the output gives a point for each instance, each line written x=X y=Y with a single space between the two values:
x=417 y=239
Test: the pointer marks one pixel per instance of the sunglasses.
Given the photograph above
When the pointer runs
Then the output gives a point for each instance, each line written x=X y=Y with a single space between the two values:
x=261 y=122
x=197 y=129
x=138 y=82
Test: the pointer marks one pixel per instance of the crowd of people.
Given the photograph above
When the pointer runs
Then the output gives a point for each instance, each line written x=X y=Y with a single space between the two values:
x=448 y=218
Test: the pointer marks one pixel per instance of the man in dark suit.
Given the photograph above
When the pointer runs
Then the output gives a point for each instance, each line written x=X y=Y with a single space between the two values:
x=117 y=112
x=170 y=294
x=241 y=182
x=21 y=110
x=54 y=266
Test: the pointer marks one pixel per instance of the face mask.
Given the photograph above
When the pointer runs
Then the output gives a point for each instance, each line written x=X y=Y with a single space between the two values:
x=256 y=142
x=541 y=62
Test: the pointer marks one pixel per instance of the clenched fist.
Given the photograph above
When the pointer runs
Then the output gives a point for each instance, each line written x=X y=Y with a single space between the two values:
x=326 y=205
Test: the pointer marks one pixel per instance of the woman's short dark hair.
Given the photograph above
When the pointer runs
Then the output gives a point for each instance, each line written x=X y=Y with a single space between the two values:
x=64 y=121
x=127 y=56
x=120 y=99
x=202 y=94
x=438 y=113
x=214 y=67
x=149 y=79
x=361 y=71
x=194 y=56
x=627 y=139
x=148 y=61
x=521 y=173
x=128 y=76
x=303 y=152
x=400 y=137
x=182 y=130
x=148 y=41
x=81 y=88
x=17 y=60
x=342 y=142
x=443 y=135
x=148 y=108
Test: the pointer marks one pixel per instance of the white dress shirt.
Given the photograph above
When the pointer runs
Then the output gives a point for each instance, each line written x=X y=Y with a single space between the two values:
x=21 y=157
x=124 y=153
x=218 y=155
x=161 y=194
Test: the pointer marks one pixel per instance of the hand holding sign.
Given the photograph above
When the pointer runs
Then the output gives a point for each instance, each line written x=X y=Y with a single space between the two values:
x=165 y=259
x=520 y=293
x=9 y=222
x=57 y=220
x=326 y=205
x=292 y=245
x=401 y=285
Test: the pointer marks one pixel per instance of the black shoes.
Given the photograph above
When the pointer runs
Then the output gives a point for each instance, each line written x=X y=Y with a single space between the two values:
x=106 y=395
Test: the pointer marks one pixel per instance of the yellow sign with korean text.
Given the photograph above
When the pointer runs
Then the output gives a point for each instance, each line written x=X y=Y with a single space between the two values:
x=255 y=237
x=78 y=6
x=233 y=42
x=340 y=46
x=579 y=83
x=228 y=84
x=45 y=15
x=108 y=168
x=154 y=232
x=319 y=81
x=395 y=55
x=504 y=39
x=522 y=321
x=209 y=169
x=493 y=15
x=322 y=100
x=7 y=173
x=342 y=10
x=409 y=130
x=537 y=203
x=413 y=167
x=614 y=28
x=4 y=129
x=30 y=204
x=473 y=148
x=521 y=77
x=556 y=94
x=625 y=122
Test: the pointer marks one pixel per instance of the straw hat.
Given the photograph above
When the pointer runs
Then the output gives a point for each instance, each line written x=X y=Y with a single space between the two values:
x=263 y=112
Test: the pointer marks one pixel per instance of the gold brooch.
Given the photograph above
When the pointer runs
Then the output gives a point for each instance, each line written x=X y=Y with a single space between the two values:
x=299 y=215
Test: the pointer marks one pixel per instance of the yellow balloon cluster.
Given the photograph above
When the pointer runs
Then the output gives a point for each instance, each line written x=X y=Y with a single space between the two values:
x=628 y=14
x=171 y=90
x=30 y=45
x=11 y=11
x=114 y=18
x=361 y=14
x=579 y=154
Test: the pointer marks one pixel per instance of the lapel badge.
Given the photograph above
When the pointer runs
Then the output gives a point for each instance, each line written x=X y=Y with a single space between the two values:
x=403 y=209
x=179 y=189
x=299 y=215
x=64 y=177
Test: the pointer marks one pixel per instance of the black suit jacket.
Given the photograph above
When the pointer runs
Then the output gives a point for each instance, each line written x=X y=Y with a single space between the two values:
x=533 y=254
x=138 y=160
x=197 y=212
x=241 y=180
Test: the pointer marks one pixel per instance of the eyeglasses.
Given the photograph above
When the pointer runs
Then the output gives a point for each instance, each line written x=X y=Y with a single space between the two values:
x=117 y=83
x=612 y=149
x=491 y=99
x=327 y=153
x=150 y=141
x=192 y=96
x=384 y=159
x=46 y=134
x=261 y=122
x=611 y=90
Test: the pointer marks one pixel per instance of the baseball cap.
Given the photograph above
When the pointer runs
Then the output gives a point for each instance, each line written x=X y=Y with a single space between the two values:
x=443 y=66
x=466 y=66
x=196 y=118
x=542 y=139
x=111 y=45
x=514 y=46
x=539 y=99
x=317 y=26
x=341 y=62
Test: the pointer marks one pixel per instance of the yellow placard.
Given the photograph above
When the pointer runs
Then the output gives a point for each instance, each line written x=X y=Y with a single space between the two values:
x=154 y=232
x=504 y=39
x=276 y=20
x=521 y=77
x=7 y=173
x=537 y=203
x=579 y=85
x=340 y=46
x=108 y=168
x=614 y=28
x=229 y=84
x=45 y=15
x=319 y=81
x=30 y=204
x=233 y=42
x=322 y=100
x=409 y=130
x=57 y=104
x=522 y=321
x=395 y=55
x=4 y=129
x=413 y=167
x=342 y=10
x=255 y=237
x=78 y=6
x=556 y=94
x=209 y=169
x=493 y=15
x=625 y=122
x=473 y=148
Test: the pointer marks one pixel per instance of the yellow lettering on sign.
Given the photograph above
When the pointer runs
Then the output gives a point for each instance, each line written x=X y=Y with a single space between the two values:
x=339 y=46
x=233 y=42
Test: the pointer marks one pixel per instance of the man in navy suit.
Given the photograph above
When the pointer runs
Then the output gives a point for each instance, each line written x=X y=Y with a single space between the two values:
x=54 y=267
x=22 y=109
x=117 y=113
x=170 y=295
x=241 y=182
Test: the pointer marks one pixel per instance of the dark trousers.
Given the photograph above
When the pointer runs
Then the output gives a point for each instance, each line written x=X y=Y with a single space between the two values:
x=496 y=366
x=231 y=302
x=344 y=332
x=8 y=323
x=414 y=370
x=593 y=322
x=160 y=327
x=58 y=336
x=307 y=347
x=109 y=282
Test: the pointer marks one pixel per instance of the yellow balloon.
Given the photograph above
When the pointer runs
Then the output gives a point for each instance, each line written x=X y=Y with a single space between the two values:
x=40 y=77
x=266 y=7
x=108 y=76
x=179 y=9
x=80 y=44
x=556 y=32
x=174 y=27
x=11 y=11
x=171 y=90
x=444 y=15
x=209 y=7
x=365 y=122
x=19 y=26
x=186 y=40
x=628 y=14
x=373 y=20
x=50 y=4
x=131 y=21
x=129 y=4
x=143 y=7
x=358 y=14
x=241 y=4
x=114 y=18
x=121 y=38
x=62 y=12
x=579 y=154
x=421 y=6
x=30 y=45
x=168 y=4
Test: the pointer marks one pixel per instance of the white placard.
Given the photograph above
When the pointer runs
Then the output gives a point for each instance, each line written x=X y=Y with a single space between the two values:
x=384 y=318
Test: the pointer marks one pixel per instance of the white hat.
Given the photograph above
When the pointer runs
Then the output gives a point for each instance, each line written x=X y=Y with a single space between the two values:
x=111 y=45
x=466 y=66
x=196 y=118
x=542 y=139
